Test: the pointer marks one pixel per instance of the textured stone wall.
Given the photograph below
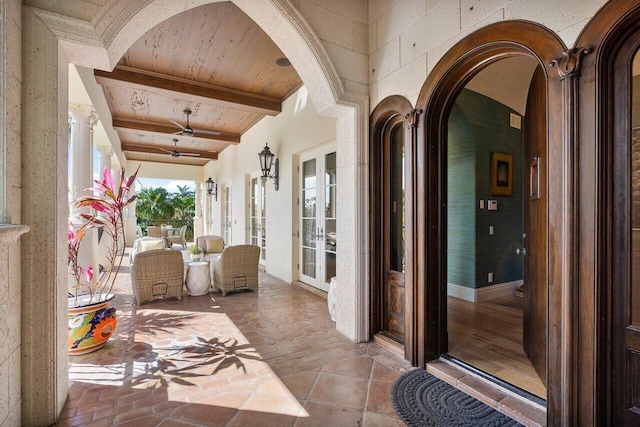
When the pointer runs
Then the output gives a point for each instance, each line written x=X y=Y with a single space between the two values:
x=407 y=38
x=10 y=293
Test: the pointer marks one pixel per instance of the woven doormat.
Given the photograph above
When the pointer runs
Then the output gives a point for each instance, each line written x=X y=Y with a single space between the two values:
x=421 y=399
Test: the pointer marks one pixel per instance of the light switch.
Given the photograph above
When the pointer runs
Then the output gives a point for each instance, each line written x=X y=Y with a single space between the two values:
x=481 y=204
x=491 y=230
x=490 y=277
x=492 y=205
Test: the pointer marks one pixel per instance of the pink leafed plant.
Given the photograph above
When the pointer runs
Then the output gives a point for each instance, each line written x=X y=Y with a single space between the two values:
x=109 y=204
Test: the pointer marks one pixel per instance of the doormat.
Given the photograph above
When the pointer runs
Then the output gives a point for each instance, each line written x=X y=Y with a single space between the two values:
x=421 y=399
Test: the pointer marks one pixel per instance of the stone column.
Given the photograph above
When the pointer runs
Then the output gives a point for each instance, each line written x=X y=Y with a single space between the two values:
x=198 y=226
x=104 y=155
x=45 y=105
x=82 y=118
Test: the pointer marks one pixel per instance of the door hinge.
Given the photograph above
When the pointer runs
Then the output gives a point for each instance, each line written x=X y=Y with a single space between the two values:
x=298 y=201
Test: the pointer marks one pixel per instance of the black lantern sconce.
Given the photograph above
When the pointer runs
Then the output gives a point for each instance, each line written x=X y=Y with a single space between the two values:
x=212 y=188
x=266 y=161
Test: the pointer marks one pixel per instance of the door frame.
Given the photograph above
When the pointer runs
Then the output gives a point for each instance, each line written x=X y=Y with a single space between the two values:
x=387 y=114
x=599 y=263
x=443 y=85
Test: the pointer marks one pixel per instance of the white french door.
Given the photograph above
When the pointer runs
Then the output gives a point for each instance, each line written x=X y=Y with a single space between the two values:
x=318 y=218
x=258 y=216
x=227 y=216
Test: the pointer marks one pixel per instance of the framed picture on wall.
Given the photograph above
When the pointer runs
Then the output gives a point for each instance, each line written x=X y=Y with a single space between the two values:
x=501 y=174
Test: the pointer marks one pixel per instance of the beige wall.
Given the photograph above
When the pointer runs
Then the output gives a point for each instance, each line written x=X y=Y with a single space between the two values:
x=296 y=129
x=10 y=292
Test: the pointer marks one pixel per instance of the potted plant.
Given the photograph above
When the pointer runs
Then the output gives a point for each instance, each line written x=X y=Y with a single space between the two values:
x=195 y=253
x=91 y=320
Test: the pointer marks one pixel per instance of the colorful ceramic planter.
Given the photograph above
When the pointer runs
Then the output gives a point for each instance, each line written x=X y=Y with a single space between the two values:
x=90 y=325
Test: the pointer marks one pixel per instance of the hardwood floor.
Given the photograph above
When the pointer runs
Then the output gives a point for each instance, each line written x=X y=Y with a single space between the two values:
x=488 y=336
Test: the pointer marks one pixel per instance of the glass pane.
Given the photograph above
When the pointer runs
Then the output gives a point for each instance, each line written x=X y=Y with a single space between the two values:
x=330 y=235
x=254 y=241
x=309 y=174
x=331 y=267
x=254 y=187
x=396 y=199
x=330 y=164
x=309 y=233
x=309 y=208
x=254 y=226
x=309 y=262
x=330 y=202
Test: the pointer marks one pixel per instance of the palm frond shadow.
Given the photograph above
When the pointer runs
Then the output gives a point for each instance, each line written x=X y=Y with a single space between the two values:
x=192 y=361
x=151 y=323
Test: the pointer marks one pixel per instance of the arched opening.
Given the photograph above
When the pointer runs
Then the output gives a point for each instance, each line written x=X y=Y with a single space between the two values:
x=453 y=188
x=392 y=155
x=100 y=47
x=609 y=286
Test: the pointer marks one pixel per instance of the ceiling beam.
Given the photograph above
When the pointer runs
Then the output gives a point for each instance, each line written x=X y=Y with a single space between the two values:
x=171 y=86
x=170 y=129
x=157 y=149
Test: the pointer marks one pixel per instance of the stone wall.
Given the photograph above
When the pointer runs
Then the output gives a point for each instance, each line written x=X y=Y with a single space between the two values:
x=407 y=38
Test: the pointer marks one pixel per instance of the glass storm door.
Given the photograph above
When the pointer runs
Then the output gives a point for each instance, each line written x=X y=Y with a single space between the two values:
x=227 y=222
x=318 y=219
x=258 y=218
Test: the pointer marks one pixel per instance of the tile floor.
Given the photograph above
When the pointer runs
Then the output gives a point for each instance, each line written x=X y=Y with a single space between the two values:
x=271 y=358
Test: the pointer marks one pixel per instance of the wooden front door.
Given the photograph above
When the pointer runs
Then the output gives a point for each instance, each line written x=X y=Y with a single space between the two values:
x=625 y=242
x=535 y=226
x=394 y=289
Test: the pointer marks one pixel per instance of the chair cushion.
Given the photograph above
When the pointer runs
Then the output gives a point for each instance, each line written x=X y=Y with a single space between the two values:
x=147 y=245
x=213 y=245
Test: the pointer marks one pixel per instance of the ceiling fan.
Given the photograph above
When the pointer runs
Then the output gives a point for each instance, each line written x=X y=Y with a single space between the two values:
x=175 y=153
x=188 y=130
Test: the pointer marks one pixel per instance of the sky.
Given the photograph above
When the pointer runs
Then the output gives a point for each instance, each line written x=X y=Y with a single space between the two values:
x=170 y=185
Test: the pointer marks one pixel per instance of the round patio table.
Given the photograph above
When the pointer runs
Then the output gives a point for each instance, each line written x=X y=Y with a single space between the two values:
x=198 y=278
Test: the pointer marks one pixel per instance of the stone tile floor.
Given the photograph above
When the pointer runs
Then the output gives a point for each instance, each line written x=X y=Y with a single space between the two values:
x=271 y=358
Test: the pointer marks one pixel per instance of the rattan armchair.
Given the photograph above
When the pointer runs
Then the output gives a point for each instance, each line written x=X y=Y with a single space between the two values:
x=157 y=273
x=179 y=239
x=236 y=269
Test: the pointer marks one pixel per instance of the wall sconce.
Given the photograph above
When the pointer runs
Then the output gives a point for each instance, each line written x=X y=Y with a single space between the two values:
x=266 y=161
x=212 y=188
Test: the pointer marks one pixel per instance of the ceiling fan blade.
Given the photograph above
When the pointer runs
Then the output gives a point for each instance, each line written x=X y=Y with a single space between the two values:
x=190 y=154
x=207 y=132
x=165 y=150
x=177 y=124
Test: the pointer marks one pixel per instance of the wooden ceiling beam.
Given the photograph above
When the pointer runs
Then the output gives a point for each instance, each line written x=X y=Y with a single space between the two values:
x=170 y=129
x=133 y=78
x=156 y=149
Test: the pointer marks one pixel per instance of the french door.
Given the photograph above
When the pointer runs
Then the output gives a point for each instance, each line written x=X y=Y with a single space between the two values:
x=258 y=216
x=227 y=216
x=318 y=188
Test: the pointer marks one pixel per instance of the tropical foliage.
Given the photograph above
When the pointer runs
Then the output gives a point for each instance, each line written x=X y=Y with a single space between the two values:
x=157 y=204
x=108 y=203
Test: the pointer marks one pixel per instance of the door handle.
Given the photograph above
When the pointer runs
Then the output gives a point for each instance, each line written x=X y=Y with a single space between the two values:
x=522 y=251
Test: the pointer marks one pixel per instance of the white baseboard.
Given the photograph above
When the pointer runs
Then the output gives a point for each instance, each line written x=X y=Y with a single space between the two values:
x=484 y=293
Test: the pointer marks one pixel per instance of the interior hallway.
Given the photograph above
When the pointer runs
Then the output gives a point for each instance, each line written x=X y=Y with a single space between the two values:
x=271 y=358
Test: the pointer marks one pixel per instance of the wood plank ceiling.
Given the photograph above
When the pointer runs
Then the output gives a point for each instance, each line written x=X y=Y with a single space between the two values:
x=212 y=60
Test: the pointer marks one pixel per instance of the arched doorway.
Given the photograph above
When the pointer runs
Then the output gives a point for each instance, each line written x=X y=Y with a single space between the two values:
x=609 y=141
x=437 y=98
x=392 y=170
x=49 y=42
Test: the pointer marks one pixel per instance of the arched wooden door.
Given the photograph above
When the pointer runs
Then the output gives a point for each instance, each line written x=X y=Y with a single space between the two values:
x=392 y=143
x=610 y=146
x=472 y=54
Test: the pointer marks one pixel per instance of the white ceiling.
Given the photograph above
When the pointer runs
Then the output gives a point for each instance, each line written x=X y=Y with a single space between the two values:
x=507 y=81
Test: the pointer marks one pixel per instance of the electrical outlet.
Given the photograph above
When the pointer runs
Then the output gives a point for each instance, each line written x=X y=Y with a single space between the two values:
x=490 y=277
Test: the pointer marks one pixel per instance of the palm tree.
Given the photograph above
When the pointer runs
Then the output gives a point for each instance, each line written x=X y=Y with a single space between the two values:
x=154 y=204
x=184 y=202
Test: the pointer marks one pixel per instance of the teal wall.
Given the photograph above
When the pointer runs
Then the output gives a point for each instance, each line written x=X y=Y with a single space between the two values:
x=479 y=126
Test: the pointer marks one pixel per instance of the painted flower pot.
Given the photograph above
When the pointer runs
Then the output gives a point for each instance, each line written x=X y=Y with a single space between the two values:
x=90 y=325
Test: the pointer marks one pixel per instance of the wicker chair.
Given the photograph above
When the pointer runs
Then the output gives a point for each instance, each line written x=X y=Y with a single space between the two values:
x=179 y=239
x=236 y=269
x=157 y=273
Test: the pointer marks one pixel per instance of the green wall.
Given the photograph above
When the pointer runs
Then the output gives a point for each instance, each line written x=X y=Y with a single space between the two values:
x=479 y=126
